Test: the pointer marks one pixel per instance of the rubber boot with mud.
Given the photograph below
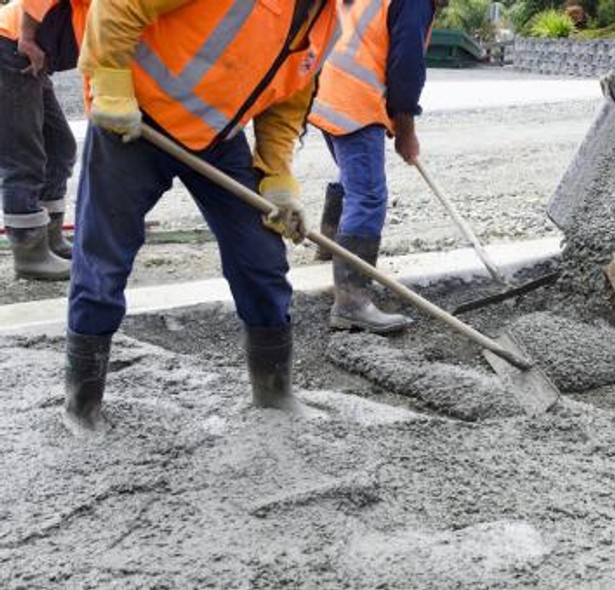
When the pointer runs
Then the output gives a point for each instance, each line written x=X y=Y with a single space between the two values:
x=32 y=258
x=353 y=308
x=331 y=214
x=269 y=352
x=57 y=242
x=87 y=358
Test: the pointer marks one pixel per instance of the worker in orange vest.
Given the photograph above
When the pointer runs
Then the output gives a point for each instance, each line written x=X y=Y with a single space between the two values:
x=198 y=71
x=369 y=87
x=37 y=148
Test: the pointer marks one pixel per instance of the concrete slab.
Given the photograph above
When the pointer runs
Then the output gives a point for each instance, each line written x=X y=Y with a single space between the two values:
x=418 y=269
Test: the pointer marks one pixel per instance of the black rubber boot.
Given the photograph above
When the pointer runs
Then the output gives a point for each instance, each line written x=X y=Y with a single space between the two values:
x=353 y=307
x=87 y=358
x=57 y=242
x=331 y=214
x=270 y=352
x=32 y=258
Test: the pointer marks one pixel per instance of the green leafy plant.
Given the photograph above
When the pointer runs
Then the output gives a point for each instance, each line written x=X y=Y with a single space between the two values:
x=523 y=11
x=472 y=16
x=551 y=24
x=605 y=13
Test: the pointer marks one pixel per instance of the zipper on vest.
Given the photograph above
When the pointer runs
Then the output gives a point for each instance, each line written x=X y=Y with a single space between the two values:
x=295 y=27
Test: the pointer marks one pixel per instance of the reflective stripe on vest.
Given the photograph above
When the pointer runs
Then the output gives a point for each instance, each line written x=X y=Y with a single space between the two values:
x=204 y=88
x=181 y=87
x=345 y=60
x=352 y=87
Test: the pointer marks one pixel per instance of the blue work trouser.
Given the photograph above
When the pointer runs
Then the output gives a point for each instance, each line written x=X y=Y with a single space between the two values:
x=360 y=159
x=120 y=182
x=37 y=148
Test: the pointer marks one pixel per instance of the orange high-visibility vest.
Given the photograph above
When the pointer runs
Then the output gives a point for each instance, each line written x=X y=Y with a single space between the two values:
x=209 y=67
x=352 y=85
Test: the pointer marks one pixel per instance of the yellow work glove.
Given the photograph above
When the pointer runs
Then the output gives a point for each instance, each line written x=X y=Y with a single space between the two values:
x=114 y=106
x=288 y=218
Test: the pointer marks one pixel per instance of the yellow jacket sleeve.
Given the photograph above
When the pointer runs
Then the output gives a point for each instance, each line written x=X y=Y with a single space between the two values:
x=114 y=28
x=276 y=130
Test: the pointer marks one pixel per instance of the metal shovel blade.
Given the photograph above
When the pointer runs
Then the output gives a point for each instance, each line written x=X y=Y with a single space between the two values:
x=534 y=391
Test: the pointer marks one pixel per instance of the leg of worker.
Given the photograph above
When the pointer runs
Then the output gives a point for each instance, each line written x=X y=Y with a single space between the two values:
x=254 y=264
x=360 y=157
x=22 y=169
x=61 y=151
x=332 y=209
x=119 y=184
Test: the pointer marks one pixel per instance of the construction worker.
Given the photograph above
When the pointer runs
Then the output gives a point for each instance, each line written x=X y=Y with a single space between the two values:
x=369 y=87
x=198 y=71
x=37 y=148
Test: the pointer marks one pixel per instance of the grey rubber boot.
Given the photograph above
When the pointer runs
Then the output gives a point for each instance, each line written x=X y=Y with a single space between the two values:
x=87 y=358
x=331 y=214
x=32 y=258
x=269 y=352
x=57 y=242
x=353 y=307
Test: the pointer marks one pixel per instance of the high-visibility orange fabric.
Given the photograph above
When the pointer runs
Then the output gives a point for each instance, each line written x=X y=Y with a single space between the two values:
x=197 y=68
x=11 y=15
x=352 y=85
x=351 y=88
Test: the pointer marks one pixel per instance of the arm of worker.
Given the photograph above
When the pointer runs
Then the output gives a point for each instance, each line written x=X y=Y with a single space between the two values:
x=408 y=25
x=34 y=12
x=112 y=34
x=276 y=131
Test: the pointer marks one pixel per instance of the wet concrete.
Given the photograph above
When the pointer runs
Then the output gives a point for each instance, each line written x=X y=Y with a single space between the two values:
x=460 y=392
x=194 y=488
x=576 y=355
x=584 y=207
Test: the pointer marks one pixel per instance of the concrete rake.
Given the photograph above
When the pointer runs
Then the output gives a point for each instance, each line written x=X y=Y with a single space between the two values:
x=532 y=388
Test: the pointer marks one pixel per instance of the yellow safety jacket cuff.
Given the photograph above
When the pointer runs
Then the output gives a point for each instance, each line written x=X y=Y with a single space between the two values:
x=113 y=83
x=281 y=183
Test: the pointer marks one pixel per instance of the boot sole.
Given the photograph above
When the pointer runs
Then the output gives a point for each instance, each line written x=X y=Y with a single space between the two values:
x=339 y=323
x=33 y=276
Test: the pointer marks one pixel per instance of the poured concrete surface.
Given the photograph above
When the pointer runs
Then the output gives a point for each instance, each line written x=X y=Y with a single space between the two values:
x=194 y=488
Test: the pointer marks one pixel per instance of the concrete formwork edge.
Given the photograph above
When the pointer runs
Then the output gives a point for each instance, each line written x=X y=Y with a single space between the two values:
x=423 y=269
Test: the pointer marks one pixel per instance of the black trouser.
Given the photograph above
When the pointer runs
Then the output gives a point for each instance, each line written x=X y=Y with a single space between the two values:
x=37 y=147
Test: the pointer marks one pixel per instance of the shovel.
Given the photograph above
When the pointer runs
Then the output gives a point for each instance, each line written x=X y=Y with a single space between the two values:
x=494 y=271
x=532 y=388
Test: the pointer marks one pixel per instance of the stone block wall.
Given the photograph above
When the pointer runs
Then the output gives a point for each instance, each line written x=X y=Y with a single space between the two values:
x=564 y=56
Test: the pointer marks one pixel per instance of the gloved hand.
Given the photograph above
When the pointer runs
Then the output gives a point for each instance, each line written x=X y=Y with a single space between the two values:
x=288 y=218
x=114 y=106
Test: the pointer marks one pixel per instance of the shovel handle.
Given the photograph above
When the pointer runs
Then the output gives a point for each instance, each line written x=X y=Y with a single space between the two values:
x=172 y=148
x=461 y=223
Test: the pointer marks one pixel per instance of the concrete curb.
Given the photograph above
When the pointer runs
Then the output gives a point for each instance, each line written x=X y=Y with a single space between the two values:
x=49 y=315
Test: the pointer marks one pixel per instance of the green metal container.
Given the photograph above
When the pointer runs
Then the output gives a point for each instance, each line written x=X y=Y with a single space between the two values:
x=453 y=48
